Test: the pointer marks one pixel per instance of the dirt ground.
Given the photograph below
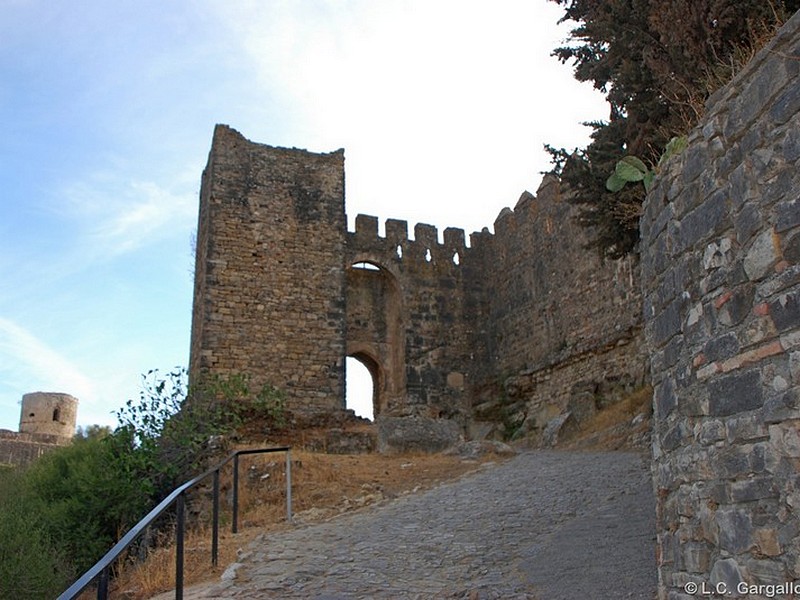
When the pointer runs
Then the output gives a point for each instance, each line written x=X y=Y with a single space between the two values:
x=325 y=485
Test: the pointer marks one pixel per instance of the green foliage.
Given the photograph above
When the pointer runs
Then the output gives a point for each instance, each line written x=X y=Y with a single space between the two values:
x=631 y=169
x=59 y=516
x=657 y=62
x=85 y=497
x=30 y=566
x=91 y=432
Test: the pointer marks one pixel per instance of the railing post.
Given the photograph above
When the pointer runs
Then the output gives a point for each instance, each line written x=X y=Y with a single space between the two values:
x=235 y=519
x=102 y=585
x=215 y=522
x=180 y=526
x=289 y=486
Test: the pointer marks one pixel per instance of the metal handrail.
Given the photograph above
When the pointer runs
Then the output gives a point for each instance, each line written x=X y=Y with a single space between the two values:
x=101 y=569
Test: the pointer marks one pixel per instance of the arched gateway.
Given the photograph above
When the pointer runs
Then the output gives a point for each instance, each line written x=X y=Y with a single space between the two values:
x=285 y=293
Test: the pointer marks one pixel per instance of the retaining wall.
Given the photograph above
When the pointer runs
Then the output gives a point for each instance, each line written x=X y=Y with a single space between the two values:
x=721 y=281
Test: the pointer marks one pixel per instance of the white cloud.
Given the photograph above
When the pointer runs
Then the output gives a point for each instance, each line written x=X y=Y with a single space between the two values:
x=443 y=107
x=24 y=357
x=121 y=217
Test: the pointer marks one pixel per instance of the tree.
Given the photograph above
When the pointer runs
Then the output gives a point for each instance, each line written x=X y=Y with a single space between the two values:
x=657 y=61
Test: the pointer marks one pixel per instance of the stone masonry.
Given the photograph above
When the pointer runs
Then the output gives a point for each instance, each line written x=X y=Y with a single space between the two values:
x=721 y=280
x=463 y=340
x=47 y=421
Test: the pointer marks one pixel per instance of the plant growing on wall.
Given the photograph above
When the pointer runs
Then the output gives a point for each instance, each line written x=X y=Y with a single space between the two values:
x=632 y=169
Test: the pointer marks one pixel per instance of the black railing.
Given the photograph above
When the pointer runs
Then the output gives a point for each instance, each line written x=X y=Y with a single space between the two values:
x=101 y=570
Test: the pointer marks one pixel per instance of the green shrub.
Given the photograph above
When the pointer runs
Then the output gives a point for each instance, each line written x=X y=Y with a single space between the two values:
x=30 y=566
x=63 y=513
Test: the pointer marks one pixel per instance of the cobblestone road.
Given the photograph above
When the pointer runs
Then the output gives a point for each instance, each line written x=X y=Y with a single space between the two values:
x=544 y=525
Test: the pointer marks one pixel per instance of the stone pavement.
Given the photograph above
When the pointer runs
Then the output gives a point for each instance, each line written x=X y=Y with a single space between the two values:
x=546 y=525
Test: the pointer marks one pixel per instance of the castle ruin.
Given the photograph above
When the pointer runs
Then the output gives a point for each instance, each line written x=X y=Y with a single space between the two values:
x=47 y=421
x=490 y=337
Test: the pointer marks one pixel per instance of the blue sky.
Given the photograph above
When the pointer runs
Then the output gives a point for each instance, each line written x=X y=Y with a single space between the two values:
x=108 y=109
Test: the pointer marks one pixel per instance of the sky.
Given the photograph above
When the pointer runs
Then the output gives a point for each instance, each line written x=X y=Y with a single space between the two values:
x=107 y=112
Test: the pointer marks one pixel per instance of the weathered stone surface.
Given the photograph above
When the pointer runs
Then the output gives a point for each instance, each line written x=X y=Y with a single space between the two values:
x=736 y=381
x=735 y=393
x=557 y=427
x=761 y=256
x=284 y=293
x=416 y=434
x=785 y=311
x=727 y=573
x=47 y=422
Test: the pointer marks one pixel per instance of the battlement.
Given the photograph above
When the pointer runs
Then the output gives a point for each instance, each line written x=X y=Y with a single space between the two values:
x=439 y=321
x=425 y=246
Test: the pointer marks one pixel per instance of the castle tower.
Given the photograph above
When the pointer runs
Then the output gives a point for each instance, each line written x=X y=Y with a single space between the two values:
x=269 y=272
x=49 y=413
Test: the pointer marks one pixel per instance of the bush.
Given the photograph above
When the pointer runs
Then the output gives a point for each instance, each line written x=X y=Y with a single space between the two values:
x=30 y=566
x=63 y=513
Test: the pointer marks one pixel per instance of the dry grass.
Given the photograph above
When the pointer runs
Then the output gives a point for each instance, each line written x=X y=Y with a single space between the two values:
x=323 y=486
x=612 y=428
x=691 y=104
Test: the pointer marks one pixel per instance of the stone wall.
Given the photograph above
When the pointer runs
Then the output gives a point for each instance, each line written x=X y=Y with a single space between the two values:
x=419 y=312
x=559 y=320
x=269 y=273
x=721 y=280
x=19 y=449
x=49 y=413
x=283 y=292
x=47 y=421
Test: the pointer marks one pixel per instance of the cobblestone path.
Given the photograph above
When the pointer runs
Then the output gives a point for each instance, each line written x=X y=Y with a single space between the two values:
x=544 y=525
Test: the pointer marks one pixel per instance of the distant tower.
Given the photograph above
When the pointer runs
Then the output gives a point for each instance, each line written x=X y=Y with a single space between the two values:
x=49 y=413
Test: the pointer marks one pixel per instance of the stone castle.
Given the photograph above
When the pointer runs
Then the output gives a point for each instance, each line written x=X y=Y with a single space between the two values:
x=490 y=337
x=47 y=421
x=509 y=332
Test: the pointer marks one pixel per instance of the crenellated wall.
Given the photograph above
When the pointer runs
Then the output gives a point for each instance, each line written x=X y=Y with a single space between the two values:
x=430 y=314
x=721 y=281
x=563 y=326
x=461 y=340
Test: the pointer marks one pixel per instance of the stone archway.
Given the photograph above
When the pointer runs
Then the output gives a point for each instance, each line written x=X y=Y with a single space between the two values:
x=375 y=332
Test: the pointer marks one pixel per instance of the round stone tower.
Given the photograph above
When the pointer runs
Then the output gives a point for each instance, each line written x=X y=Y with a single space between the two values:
x=49 y=413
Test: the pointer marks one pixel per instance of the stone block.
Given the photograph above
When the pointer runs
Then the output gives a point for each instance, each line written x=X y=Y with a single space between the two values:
x=735 y=530
x=735 y=393
x=785 y=311
x=785 y=438
x=745 y=428
x=726 y=575
x=666 y=324
x=787 y=215
x=665 y=399
x=416 y=434
x=767 y=541
x=791 y=247
x=722 y=347
x=696 y=557
x=781 y=407
x=766 y=572
x=786 y=106
x=761 y=256
x=753 y=489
